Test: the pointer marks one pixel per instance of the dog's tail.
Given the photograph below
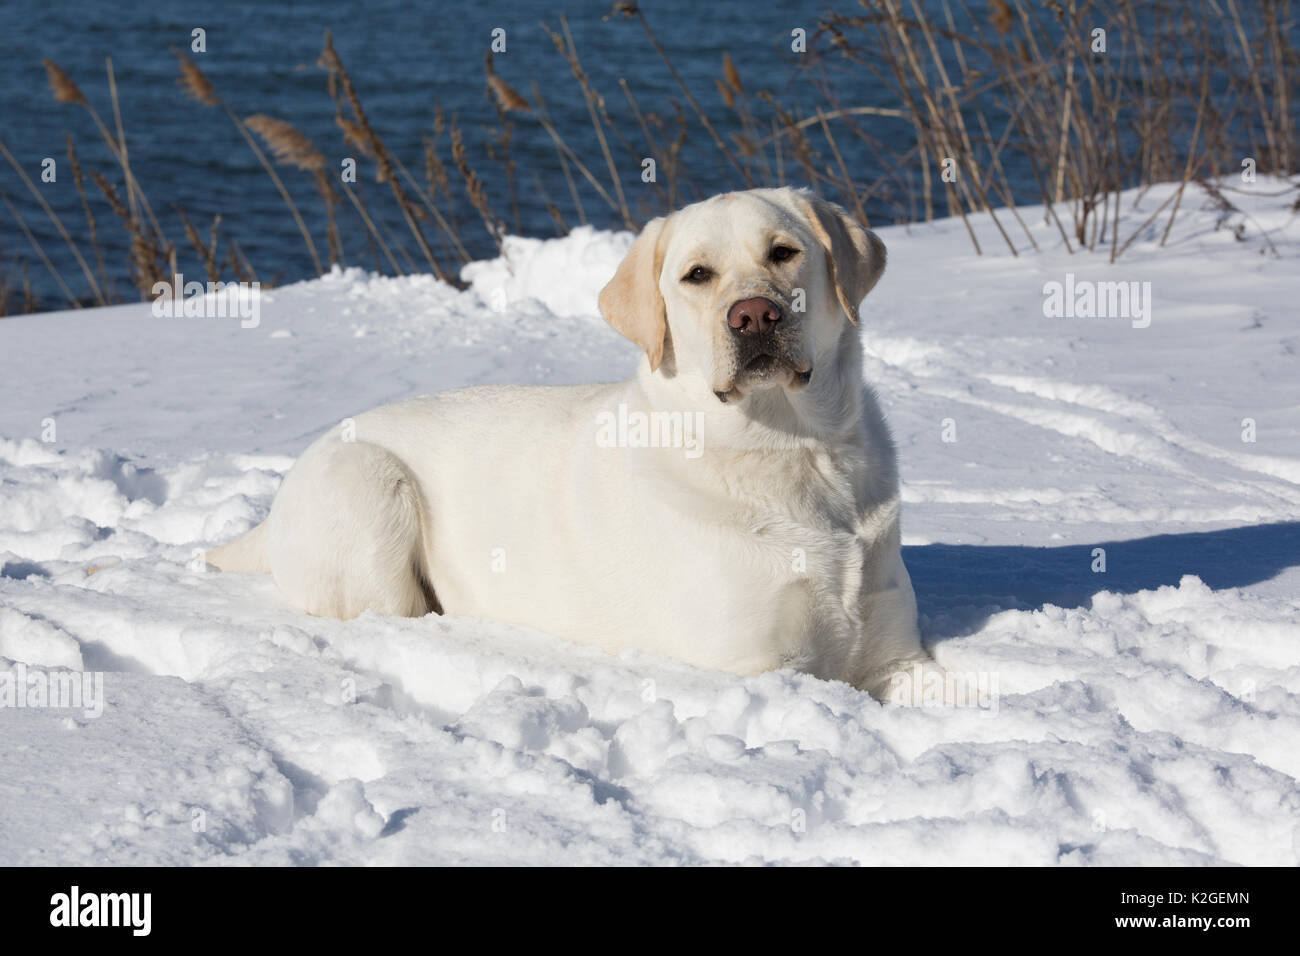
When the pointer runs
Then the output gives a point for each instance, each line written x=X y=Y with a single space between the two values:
x=245 y=553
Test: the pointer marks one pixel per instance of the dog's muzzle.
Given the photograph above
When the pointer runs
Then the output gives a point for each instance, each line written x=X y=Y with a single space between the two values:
x=760 y=335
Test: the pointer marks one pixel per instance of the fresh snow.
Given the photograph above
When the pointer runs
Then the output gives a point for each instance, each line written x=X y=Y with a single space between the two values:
x=1147 y=714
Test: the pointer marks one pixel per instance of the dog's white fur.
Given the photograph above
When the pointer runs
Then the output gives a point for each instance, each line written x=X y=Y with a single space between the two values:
x=778 y=546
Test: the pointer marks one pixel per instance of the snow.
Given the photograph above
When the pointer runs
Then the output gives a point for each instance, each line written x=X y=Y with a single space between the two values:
x=1144 y=714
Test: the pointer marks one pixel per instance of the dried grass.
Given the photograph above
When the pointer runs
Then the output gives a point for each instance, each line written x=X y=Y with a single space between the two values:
x=1008 y=90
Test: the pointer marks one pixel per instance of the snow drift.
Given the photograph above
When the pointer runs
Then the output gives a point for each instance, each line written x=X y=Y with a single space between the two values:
x=1101 y=517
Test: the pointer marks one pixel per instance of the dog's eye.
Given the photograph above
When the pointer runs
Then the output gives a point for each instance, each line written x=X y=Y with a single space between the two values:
x=782 y=253
x=698 y=274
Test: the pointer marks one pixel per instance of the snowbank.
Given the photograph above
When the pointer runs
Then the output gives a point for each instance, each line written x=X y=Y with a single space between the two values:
x=1102 y=520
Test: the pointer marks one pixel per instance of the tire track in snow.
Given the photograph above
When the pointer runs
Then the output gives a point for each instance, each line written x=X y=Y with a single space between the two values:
x=1103 y=399
x=924 y=363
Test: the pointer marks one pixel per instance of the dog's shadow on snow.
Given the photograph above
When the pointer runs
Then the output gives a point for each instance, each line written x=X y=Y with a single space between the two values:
x=959 y=586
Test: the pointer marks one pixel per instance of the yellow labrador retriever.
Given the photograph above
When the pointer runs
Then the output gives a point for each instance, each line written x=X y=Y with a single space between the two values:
x=734 y=504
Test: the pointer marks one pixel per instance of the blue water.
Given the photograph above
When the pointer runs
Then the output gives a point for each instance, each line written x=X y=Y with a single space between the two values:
x=405 y=59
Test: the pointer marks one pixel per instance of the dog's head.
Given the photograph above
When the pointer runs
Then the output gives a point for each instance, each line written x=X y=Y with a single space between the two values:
x=745 y=291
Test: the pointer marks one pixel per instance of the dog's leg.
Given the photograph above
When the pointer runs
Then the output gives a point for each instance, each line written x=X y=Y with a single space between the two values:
x=346 y=534
x=245 y=553
x=896 y=667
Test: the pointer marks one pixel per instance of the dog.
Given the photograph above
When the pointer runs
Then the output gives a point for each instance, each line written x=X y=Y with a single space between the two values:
x=734 y=504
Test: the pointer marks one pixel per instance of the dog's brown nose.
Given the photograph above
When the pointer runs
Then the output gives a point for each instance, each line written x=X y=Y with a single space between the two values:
x=751 y=316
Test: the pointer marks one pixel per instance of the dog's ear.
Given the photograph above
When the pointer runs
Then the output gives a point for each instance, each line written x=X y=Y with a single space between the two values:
x=631 y=302
x=855 y=256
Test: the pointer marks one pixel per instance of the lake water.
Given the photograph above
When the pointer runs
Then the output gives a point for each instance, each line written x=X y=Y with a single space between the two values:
x=405 y=59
